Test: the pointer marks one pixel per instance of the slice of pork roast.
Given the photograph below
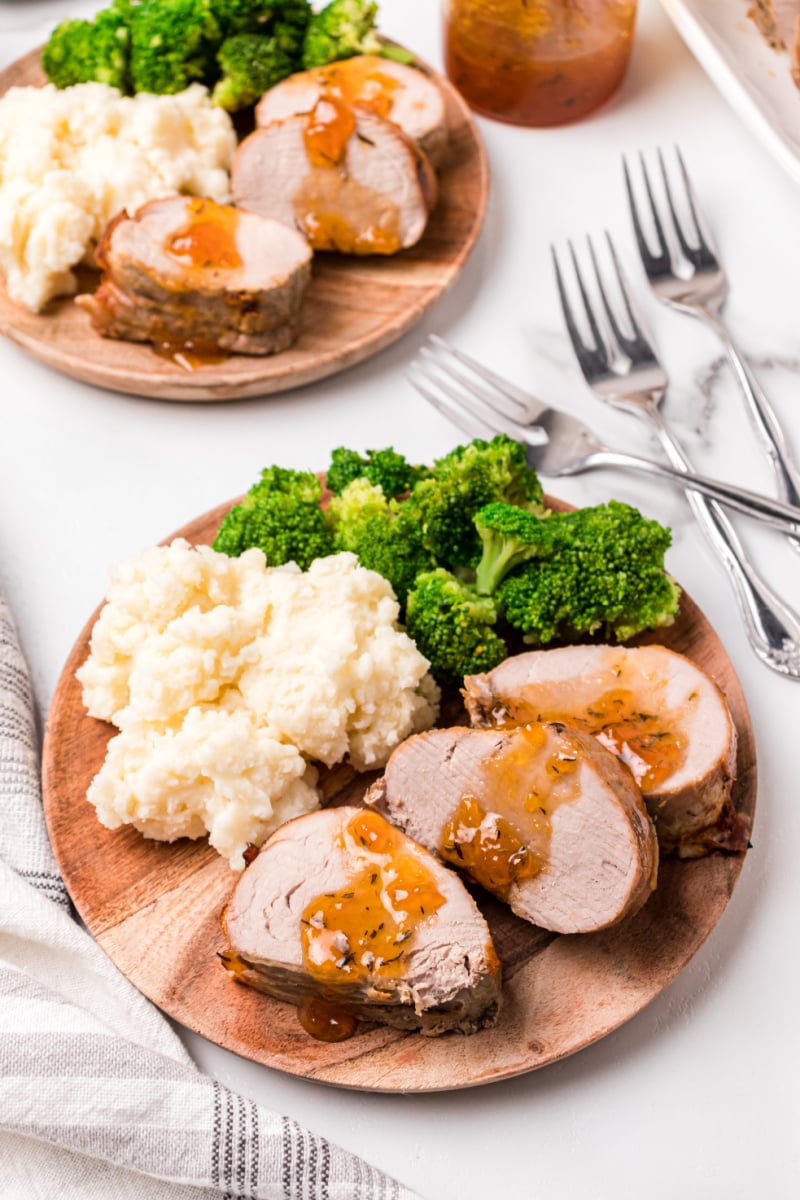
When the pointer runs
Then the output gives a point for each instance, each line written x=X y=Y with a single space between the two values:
x=340 y=905
x=401 y=93
x=190 y=272
x=362 y=187
x=662 y=715
x=542 y=816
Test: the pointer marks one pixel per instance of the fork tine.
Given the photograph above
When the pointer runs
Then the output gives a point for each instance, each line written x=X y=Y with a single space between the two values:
x=691 y=252
x=642 y=336
x=705 y=237
x=592 y=359
x=653 y=263
x=464 y=421
x=624 y=341
x=458 y=394
x=520 y=400
x=599 y=340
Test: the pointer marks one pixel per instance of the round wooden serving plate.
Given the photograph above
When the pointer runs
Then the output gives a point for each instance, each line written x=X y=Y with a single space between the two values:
x=352 y=309
x=154 y=908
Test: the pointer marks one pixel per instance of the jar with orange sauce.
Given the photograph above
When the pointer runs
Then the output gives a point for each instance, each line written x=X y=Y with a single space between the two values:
x=537 y=62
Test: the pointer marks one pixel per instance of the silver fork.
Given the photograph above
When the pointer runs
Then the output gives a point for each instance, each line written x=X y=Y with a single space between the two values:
x=638 y=386
x=702 y=293
x=480 y=402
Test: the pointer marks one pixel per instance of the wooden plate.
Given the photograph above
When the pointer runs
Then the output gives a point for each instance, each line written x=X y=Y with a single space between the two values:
x=154 y=908
x=353 y=307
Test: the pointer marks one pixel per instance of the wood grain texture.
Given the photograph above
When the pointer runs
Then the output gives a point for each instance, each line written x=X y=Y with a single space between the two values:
x=154 y=908
x=353 y=308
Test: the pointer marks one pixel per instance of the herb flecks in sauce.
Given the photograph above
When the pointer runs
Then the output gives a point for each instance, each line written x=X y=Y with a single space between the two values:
x=504 y=839
x=365 y=928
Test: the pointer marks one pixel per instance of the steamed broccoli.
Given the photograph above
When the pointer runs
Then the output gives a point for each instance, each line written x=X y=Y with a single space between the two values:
x=364 y=522
x=250 y=63
x=242 y=16
x=342 y=29
x=173 y=44
x=280 y=515
x=162 y=46
x=510 y=536
x=386 y=468
x=453 y=627
x=460 y=484
x=81 y=51
x=606 y=572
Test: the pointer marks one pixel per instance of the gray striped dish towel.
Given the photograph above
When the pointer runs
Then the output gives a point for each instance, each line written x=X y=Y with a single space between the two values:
x=98 y=1097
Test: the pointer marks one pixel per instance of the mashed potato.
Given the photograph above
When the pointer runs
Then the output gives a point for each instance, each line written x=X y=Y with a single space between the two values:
x=228 y=679
x=71 y=160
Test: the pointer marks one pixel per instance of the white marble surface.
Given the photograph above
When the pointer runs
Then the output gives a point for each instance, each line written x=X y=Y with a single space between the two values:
x=699 y=1095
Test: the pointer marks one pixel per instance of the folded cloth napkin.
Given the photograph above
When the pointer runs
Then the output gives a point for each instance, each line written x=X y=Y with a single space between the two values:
x=98 y=1097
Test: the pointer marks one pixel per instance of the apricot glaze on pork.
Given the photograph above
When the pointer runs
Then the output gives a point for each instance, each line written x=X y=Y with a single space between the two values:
x=187 y=273
x=340 y=907
x=657 y=711
x=542 y=816
x=402 y=94
x=348 y=179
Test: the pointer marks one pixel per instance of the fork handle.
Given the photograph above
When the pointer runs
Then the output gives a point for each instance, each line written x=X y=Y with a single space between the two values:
x=762 y=508
x=762 y=414
x=772 y=629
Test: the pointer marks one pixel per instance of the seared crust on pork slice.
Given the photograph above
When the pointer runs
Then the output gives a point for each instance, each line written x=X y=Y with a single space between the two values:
x=375 y=200
x=664 y=717
x=246 y=300
x=443 y=975
x=403 y=94
x=543 y=816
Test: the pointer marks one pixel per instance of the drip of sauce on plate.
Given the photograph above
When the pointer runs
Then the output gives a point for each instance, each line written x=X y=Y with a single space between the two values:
x=527 y=782
x=645 y=741
x=190 y=353
x=325 y=1021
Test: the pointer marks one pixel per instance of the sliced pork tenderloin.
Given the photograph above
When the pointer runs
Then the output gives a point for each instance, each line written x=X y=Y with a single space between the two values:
x=341 y=906
x=189 y=272
x=777 y=21
x=349 y=180
x=542 y=816
x=402 y=93
x=663 y=716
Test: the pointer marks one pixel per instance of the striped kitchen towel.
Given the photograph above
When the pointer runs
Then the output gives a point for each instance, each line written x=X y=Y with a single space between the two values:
x=98 y=1097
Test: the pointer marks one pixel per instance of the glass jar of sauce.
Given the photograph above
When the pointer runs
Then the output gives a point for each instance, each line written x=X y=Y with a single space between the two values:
x=537 y=62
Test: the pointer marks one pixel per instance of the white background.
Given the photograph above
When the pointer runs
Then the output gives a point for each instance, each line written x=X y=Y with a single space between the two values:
x=698 y=1096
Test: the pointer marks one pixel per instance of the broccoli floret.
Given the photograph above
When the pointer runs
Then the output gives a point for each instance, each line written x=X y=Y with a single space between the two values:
x=463 y=482
x=510 y=536
x=453 y=627
x=281 y=515
x=606 y=572
x=364 y=522
x=250 y=64
x=342 y=29
x=85 y=51
x=386 y=468
x=242 y=16
x=173 y=44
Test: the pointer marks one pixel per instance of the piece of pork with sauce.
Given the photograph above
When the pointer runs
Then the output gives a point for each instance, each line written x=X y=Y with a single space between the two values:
x=657 y=711
x=185 y=272
x=341 y=907
x=542 y=816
